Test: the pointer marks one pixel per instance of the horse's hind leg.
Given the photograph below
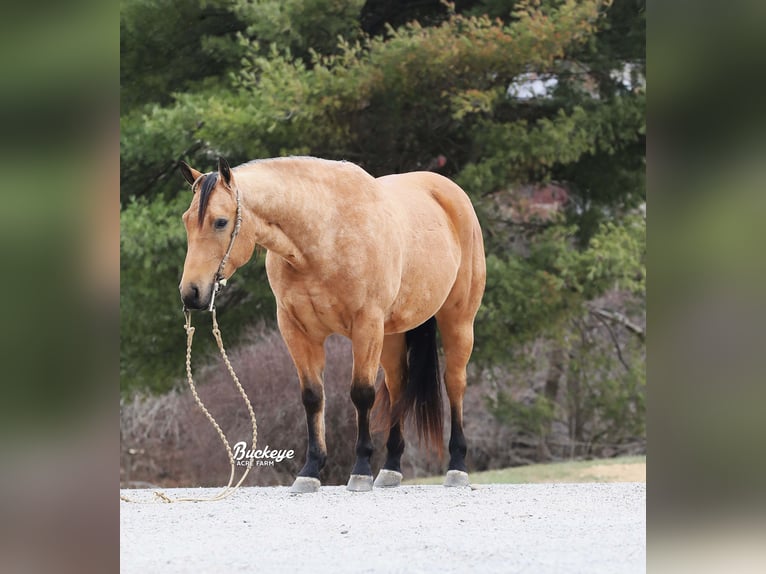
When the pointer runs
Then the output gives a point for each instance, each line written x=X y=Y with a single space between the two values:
x=393 y=360
x=366 y=345
x=309 y=358
x=457 y=340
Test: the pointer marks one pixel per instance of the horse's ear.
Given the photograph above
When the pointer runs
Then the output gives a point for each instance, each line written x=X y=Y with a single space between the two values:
x=224 y=170
x=190 y=174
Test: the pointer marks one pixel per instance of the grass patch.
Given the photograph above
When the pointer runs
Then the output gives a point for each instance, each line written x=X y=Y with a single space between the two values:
x=620 y=469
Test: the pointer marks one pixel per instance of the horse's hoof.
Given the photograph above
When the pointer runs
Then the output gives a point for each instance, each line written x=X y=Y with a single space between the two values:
x=359 y=483
x=456 y=478
x=304 y=485
x=387 y=478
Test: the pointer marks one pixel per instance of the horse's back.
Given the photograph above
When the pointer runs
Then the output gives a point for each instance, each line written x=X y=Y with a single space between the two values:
x=425 y=185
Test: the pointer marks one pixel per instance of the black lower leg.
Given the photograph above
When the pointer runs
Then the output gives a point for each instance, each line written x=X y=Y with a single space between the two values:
x=457 y=444
x=394 y=448
x=316 y=453
x=363 y=396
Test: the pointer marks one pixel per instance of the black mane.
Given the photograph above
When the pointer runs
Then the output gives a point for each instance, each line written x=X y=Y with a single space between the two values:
x=206 y=188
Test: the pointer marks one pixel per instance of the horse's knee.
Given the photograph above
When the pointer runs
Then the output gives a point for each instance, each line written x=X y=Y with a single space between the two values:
x=312 y=398
x=362 y=395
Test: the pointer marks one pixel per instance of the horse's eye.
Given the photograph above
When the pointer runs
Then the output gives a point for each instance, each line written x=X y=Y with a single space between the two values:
x=221 y=223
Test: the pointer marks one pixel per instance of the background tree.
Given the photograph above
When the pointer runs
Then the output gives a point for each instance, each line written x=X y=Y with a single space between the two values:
x=517 y=97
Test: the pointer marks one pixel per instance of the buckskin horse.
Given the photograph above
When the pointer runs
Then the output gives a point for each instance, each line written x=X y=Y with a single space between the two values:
x=382 y=261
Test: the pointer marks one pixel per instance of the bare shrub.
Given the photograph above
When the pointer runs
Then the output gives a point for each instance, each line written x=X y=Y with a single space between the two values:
x=166 y=440
x=173 y=444
x=581 y=394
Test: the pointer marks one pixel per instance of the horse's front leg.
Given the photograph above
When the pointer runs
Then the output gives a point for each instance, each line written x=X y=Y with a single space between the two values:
x=308 y=356
x=366 y=343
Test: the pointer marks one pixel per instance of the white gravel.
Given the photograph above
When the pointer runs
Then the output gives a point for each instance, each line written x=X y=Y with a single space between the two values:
x=535 y=528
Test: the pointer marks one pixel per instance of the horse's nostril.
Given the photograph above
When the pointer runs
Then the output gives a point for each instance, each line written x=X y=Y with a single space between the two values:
x=190 y=295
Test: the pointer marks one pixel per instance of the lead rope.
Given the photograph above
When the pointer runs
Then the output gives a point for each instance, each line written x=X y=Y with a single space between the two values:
x=228 y=490
x=218 y=282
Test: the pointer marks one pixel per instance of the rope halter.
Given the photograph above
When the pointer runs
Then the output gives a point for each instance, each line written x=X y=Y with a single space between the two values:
x=218 y=279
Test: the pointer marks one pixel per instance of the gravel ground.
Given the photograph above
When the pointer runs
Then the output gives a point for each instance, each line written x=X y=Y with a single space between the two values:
x=535 y=528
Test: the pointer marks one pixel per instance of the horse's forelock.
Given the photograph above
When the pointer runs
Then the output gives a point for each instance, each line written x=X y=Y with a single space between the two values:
x=206 y=188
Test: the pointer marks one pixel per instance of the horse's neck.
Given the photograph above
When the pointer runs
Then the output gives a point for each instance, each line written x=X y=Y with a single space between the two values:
x=285 y=206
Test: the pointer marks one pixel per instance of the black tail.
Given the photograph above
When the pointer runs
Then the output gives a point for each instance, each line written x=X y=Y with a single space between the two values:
x=422 y=392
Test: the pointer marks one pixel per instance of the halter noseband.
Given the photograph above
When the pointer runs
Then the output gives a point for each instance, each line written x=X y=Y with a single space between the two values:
x=218 y=279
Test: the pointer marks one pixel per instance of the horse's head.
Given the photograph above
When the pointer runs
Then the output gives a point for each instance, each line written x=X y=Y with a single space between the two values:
x=210 y=222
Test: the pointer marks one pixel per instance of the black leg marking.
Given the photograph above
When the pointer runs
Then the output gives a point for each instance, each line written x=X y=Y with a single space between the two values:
x=363 y=397
x=457 y=444
x=394 y=448
x=316 y=453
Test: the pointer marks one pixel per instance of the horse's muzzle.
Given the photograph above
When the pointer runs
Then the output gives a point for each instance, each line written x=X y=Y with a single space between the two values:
x=195 y=298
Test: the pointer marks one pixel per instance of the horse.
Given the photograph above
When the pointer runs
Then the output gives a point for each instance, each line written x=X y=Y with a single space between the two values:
x=382 y=261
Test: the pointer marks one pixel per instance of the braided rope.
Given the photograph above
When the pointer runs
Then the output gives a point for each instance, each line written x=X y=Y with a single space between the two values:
x=217 y=283
x=228 y=490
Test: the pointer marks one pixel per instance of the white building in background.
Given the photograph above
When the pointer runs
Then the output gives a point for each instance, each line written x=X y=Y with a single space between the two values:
x=533 y=85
